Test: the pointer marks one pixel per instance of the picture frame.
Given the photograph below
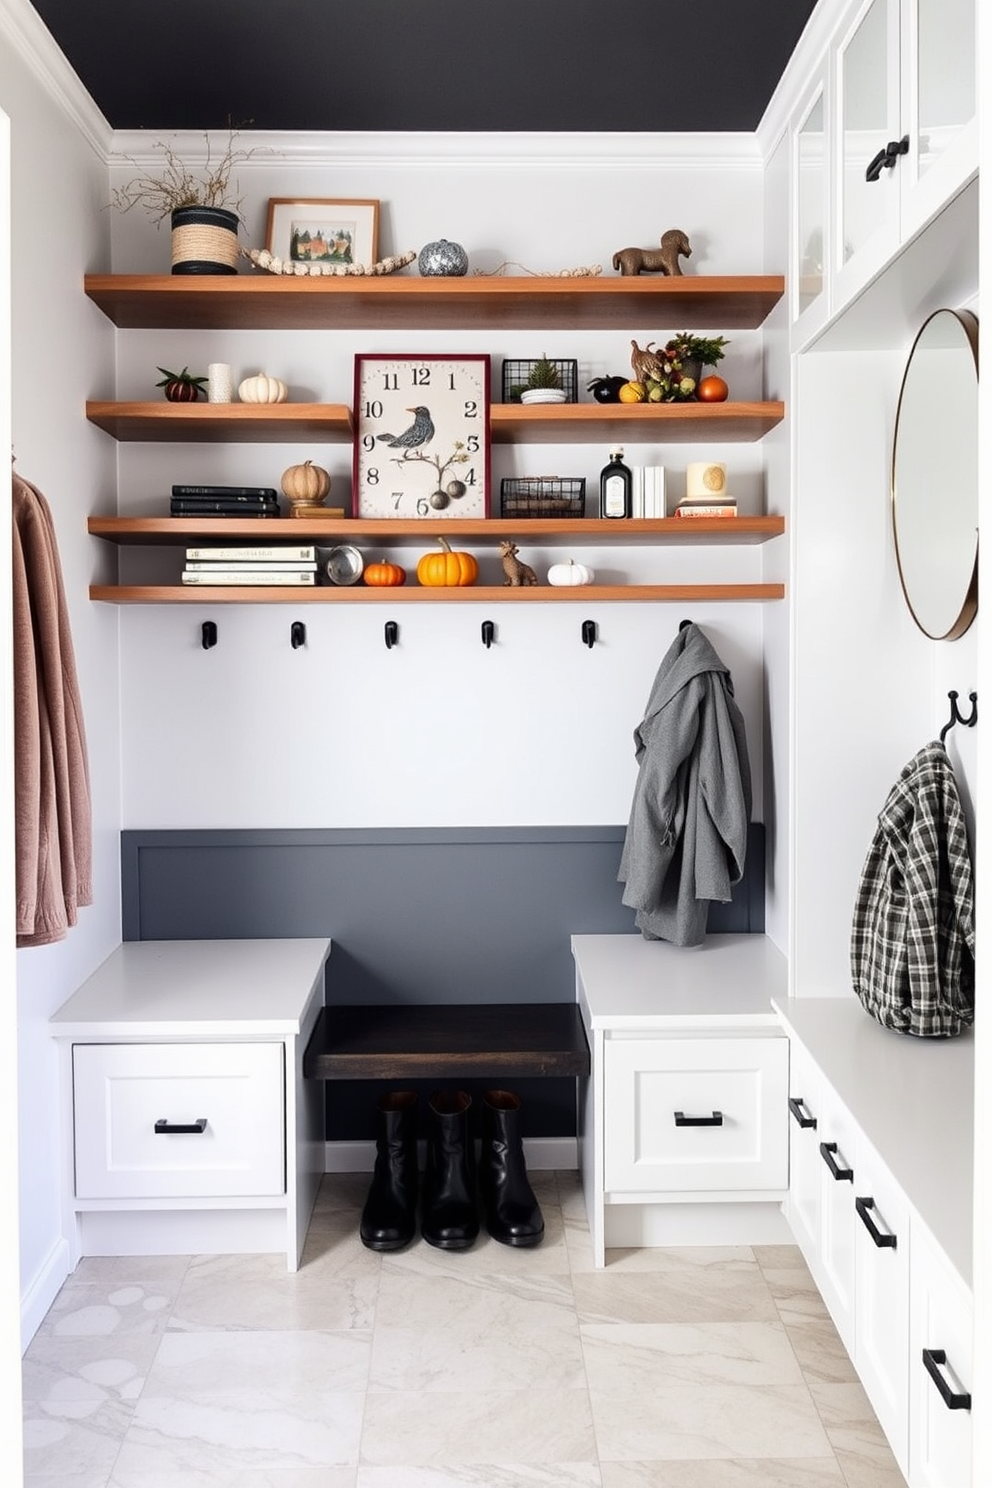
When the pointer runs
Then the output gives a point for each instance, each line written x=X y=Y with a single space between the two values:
x=422 y=436
x=328 y=230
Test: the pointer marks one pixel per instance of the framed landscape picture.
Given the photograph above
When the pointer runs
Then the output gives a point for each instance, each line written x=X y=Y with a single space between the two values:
x=323 y=230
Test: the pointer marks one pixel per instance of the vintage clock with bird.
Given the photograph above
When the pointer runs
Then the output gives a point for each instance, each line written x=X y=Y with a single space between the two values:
x=421 y=436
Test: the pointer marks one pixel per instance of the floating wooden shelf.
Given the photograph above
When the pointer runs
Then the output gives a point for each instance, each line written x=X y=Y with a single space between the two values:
x=583 y=531
x=415 y=594
x=222 y=423
x=448 y=1042
x=571 y=423
x=269 y=302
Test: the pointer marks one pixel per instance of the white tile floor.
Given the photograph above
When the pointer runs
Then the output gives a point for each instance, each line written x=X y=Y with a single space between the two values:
x=487 y=1368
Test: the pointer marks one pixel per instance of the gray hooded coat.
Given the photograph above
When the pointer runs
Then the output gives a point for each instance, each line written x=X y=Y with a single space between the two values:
x=687 y=834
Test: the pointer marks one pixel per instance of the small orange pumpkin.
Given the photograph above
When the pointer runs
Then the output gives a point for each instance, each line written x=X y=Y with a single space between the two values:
x=384 y=575
x=439 y=570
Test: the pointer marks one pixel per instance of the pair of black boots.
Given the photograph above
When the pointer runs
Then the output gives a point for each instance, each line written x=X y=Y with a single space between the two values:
x=449 y=1211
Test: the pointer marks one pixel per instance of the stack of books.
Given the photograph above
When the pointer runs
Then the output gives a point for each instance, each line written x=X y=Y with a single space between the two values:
x=647 y=493
x=691 y=506
x=284 y=563
x=224 y=501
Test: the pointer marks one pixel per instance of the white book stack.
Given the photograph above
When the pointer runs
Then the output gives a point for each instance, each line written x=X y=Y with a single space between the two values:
x=648 y=491
x=292 y=567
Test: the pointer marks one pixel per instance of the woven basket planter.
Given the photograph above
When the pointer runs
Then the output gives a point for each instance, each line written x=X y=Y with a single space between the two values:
x=204 y=240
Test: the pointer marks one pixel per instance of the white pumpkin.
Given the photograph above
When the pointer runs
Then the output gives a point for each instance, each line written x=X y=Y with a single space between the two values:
x=262 y=389
x=563 y=575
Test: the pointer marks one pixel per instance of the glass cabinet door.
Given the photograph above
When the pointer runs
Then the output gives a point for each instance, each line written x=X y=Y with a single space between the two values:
x=810 y=207
x=945 y=75
x=868 y=77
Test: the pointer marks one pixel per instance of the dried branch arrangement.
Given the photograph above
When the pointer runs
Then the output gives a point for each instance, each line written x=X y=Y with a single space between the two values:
x=180 y=185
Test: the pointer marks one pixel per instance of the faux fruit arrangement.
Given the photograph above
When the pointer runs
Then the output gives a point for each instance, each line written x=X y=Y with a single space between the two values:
x=181 y=387
x=449 y=567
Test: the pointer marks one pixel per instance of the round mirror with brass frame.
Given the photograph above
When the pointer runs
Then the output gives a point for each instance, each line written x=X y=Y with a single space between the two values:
x=935 y=475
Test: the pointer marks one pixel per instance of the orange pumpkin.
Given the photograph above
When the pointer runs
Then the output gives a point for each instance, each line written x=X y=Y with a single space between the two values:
x=439 y=570
x=384 y=575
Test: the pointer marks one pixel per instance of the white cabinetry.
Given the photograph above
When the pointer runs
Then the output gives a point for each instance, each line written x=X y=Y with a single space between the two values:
x=683 y=1135
x=886 y=1224
x=885 y=136
x=187 y=1122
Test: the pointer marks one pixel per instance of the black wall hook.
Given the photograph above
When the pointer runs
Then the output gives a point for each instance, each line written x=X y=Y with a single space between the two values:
x=589 y=633
x=956 y=715
x=208 y=634
x=391 y=634
x=297 y=634
x=488 y=633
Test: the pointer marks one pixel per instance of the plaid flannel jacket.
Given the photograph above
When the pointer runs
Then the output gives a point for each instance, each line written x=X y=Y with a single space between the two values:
x=913 y=936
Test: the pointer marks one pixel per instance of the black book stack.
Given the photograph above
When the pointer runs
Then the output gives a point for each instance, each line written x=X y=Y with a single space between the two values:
x=224 y=501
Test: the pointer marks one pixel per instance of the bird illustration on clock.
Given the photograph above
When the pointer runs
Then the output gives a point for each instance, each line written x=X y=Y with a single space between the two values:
x=426 y=458
x=421 y=431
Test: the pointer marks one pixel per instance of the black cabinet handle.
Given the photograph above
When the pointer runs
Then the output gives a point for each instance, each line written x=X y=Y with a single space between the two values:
x=827 y=1150
x=953 y=1399
x=166 y=1128
x=798 y=1108
x=882 y=1240
x=887 y=157
x=681 y=1119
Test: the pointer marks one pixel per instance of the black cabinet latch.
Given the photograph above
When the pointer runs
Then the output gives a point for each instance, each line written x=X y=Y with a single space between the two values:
x=886 y=159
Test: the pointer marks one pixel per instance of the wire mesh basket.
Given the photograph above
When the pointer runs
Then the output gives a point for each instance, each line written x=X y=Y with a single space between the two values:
x=517 y=372
x=542 y=496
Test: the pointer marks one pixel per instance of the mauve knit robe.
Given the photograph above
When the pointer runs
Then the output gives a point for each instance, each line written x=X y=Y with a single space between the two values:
x=52 y=815
x=687 y=835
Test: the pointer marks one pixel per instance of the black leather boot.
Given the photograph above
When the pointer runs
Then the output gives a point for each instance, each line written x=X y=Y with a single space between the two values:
x=389 y=1219
x=513 y=1215
x=449 y=1216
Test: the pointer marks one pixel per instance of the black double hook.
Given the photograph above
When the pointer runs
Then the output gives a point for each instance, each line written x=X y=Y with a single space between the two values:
x=957 y=716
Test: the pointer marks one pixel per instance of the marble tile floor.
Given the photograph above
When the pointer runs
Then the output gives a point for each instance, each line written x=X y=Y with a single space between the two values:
x=487 y=1368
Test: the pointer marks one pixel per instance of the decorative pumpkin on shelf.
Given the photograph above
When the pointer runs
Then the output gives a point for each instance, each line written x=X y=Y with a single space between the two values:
x=606 y=389
x=384 y=575
x=306 y=485
x=566 y=575
x=449 y=567
x=262 y=389
x=181 y=387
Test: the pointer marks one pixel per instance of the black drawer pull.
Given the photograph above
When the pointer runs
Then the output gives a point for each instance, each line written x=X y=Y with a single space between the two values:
x=827 y=1150
x=166 y=1128
x=681 y=1119
x=932 y=1359
x=882 y=1240
x=798 y=1108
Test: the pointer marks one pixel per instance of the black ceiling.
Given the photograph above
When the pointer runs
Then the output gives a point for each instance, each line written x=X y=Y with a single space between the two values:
x=655 y=65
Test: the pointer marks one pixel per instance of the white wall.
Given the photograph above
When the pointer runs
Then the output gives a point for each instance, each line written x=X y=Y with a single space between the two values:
x=437 y=732
x=59 y=349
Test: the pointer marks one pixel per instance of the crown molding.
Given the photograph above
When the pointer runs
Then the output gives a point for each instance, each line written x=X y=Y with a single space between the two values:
x=35 y=45
x=433 y=150
x=810 y=48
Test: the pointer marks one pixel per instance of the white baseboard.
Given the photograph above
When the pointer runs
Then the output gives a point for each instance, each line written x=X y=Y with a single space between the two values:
x=42 y=1290
x=540 y=1154
x=636 y=1226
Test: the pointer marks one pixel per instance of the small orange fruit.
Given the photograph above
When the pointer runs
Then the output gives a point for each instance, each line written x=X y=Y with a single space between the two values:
x=712 y=390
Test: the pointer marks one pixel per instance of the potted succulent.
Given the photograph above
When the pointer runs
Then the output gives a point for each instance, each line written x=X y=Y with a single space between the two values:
x=201 y=203
x=543 y=384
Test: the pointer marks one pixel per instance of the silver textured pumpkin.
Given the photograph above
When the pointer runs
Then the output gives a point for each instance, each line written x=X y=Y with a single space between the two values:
x=442 y=259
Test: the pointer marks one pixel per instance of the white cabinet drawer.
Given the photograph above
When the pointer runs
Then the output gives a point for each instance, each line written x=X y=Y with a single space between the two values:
x=696 y=1115
x=121 y=1091
x=881 y=1246
x=940 y=1383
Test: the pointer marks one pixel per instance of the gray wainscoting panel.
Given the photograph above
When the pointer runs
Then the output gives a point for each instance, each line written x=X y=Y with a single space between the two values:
x=467 y=915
